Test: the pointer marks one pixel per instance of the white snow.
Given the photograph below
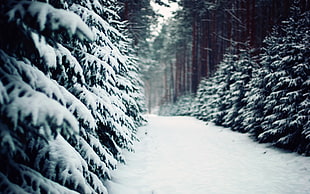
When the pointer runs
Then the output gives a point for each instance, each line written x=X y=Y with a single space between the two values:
x=46 y=51
x=181 y=155
x=49 y=17
x=43 y=111
x=66 y=165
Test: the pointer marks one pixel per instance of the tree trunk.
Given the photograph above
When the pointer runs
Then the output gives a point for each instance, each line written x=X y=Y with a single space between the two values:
x=194 y=56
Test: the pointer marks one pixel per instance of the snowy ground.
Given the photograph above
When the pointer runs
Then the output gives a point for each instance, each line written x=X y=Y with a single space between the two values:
x=181 y=155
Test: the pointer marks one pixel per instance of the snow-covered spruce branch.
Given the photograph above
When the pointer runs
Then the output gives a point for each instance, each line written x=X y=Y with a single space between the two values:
x=46 y=17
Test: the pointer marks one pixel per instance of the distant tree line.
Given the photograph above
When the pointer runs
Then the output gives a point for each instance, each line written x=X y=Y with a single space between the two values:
x=201 y=32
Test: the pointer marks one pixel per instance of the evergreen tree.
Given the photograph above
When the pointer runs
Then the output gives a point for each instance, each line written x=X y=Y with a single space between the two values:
x=205 y=106
x=68 y=101
x=241 y=74
x=140 y=16
x=220 y=98
x=269 y=99
x=224 y=79
x=284 y=87
x=206 y=29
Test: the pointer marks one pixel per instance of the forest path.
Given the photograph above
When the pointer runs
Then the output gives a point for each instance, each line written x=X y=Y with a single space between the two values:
x=181 y=155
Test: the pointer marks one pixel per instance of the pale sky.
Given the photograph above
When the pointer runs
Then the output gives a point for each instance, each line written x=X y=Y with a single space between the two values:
x=165 y=11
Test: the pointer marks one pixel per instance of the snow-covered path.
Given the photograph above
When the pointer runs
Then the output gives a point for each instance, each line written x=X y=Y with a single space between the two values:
x=181 y=155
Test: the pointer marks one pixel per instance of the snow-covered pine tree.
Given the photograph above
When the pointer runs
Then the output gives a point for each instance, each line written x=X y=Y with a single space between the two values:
x=284 y=88
x=118 y=84
x=204 y=106
x=221 y=97
x=198 y=105
x=182 y=107
x=238 y=85
x=63 y=116
x=223 y=79
x=254 y=99
x=105 y=59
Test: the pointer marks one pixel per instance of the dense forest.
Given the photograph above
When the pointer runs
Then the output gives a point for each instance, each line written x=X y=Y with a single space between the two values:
x=240 y=64
x=73 y=76
x=193 y=43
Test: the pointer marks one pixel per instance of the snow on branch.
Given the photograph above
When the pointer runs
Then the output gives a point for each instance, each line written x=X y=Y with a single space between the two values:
x=66 y=166
x=102 y=152
x=34 y=182
x=46 y=51
x=49 y=18
x=41 y=83
x=7 y=186
x=10 y=145
x=104 y=72
x=3 y=95
x=92 y=17
x=81 y=110
x=96 y=165
x=27 y=105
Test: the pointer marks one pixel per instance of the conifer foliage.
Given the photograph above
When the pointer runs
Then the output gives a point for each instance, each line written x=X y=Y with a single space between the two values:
x=70 y=96
x=269 y=97
x=284 y=86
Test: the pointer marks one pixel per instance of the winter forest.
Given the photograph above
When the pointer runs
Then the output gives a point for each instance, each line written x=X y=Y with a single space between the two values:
x=78 y=79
